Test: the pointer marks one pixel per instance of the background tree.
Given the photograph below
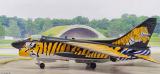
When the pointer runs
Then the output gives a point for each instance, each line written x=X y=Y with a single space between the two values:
x=80 y=20
x=2 y=31
x=19 y=27
x=13 y=29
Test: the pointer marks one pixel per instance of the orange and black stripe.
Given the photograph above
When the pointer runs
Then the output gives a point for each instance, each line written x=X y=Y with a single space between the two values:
x=50 y=48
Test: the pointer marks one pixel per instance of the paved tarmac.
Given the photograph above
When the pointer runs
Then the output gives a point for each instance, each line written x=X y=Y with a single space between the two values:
x=64 y=67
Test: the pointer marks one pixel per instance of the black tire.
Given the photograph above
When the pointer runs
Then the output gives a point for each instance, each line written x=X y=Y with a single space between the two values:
x=113 y=59
x=88 y=66
x=93 y=65
x=42 y=65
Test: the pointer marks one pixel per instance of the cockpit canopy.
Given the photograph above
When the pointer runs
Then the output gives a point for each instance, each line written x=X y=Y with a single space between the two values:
x=35 y=37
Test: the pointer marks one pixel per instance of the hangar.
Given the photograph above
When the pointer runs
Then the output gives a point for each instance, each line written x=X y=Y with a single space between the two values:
x=73 y=31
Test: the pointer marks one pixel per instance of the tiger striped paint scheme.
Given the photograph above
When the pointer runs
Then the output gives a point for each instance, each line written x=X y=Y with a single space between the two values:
x=51 y=48
x=134 y=44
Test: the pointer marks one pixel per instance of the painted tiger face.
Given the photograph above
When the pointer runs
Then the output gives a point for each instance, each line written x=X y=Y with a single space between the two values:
x=30 y=45
x=139 y=34
x=27 y=48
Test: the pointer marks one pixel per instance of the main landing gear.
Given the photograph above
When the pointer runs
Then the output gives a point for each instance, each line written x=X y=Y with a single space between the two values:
x=113 y=59
x=91 y=66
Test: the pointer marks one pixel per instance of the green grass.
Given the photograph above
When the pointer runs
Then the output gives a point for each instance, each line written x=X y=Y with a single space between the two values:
x=154 y=44
x=54 y=31
x=5 y=46
x=155 y=39
x=6 y=41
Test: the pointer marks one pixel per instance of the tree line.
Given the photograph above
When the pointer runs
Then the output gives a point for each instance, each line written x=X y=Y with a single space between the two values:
x=20 y=27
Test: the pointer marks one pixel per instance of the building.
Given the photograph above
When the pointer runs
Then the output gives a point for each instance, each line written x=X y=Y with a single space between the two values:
x=74 y=31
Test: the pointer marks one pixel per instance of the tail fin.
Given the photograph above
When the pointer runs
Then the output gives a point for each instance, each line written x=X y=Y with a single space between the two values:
x=138 y=36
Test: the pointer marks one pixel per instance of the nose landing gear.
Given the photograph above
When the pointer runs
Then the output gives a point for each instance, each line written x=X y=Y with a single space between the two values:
x=42 y=65
x=39 y=63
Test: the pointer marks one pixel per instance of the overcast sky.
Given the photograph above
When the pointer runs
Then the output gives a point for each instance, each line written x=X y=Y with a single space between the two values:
x=93 y=9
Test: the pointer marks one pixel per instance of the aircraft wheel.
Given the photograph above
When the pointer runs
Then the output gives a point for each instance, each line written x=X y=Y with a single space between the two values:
x=113 y=59
x=42 y=65
x=91 y=66
x=88 y=65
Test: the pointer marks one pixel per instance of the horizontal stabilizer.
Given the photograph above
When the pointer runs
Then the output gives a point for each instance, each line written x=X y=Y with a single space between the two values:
x=148 y=58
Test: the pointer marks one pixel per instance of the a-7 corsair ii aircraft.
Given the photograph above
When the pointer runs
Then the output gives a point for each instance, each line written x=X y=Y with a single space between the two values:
x=132 y=45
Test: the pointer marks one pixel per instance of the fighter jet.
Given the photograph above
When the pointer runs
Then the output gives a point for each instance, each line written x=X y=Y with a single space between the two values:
x=132 y=45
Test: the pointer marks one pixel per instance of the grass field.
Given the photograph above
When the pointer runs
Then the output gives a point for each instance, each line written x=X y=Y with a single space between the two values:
x=155 y=41
x=5 y=46
x=54 y=31
x=6 y=43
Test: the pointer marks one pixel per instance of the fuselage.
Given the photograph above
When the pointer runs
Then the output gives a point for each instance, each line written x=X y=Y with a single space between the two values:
x=51 y=48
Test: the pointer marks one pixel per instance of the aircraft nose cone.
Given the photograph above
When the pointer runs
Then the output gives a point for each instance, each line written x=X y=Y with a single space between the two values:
x=18 y=44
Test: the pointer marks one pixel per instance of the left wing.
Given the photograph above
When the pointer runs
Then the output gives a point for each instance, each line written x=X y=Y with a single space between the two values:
x=100 y=48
